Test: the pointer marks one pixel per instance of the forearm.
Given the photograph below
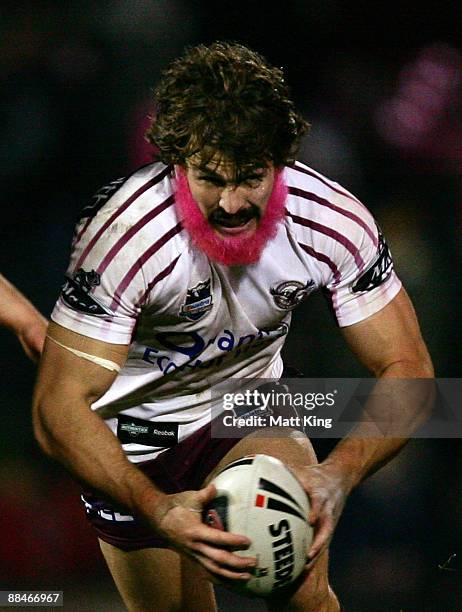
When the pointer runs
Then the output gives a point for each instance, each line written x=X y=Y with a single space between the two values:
x=78 y=438
x=16 y=312
x=19 y=315
x=372 y=443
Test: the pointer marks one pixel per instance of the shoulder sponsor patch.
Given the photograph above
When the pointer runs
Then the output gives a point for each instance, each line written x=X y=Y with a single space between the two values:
x=378 y=271
x=76 y=293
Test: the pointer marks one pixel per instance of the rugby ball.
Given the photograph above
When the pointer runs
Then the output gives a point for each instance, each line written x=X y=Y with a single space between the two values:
x=259 y=497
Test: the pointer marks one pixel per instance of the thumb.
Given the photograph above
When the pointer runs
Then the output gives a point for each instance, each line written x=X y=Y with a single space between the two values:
x=205 y=495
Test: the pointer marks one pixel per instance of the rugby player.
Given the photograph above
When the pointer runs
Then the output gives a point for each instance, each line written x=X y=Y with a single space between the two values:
x=186 y=273
x=22 y=318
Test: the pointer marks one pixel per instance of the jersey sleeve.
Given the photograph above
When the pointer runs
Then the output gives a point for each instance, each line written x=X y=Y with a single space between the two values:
x=104 y=283
x=365 y=279
x=345 y=251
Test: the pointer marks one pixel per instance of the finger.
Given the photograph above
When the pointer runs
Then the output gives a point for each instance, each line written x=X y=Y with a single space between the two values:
x=315 y=509
x=205 y=495
x=224 y=557
x=221 y=538
x=311 y=562
x=218 y=571
x=321 y=537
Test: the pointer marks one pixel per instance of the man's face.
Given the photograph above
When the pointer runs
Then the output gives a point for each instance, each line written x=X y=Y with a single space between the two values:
x=233 y=202
x=230 y=214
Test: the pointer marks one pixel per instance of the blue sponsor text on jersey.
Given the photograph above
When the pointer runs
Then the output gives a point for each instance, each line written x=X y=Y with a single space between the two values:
x=193 y=344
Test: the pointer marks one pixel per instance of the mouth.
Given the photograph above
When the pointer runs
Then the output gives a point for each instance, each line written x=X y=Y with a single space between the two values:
x=247 y=227
x=238 y=224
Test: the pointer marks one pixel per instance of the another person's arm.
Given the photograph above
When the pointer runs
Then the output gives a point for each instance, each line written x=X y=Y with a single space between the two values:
x=389 y=343
x=70 y=432
x=22 y=318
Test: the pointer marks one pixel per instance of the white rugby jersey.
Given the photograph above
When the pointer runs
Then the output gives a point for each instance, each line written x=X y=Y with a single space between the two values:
x=136 y=278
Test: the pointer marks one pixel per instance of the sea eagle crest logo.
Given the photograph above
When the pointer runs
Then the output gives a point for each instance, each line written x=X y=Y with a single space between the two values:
x=198 y=301
x=289 y=294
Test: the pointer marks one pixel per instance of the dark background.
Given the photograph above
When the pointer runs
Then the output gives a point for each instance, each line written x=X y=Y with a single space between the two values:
x=381 y=83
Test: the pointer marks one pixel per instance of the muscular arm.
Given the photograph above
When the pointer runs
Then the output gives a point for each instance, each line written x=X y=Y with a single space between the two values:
x=389 y=343
x=22 y=318
x=70 y=432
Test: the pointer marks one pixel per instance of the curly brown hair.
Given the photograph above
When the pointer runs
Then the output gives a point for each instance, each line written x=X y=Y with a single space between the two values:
x=225 y=99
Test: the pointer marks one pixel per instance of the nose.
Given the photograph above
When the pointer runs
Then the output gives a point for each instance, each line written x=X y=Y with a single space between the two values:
x=232 y=199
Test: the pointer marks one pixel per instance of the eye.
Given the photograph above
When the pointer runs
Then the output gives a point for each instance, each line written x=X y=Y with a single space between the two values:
x=212 y=180
x=252 y=181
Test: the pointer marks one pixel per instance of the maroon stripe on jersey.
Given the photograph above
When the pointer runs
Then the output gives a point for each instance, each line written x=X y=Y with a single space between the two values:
x=141 y=261
x=330 y=294
x=119 y=211
x=82 y=231
x=312 y=197
x=335 y=271
x=328 y=231
x=325 y=182
x=322 y=257
x=132 y=231
x=165 y=272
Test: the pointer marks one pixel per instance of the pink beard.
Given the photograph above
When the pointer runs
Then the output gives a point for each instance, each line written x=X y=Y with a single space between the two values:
x=232 y=251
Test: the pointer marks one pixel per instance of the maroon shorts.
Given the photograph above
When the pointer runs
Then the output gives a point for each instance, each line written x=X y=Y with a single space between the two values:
x=183 y=467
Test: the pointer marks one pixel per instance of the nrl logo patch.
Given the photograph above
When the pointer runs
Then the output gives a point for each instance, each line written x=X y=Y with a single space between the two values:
x=289 y=294
x=198 y=301
x=76 y=293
